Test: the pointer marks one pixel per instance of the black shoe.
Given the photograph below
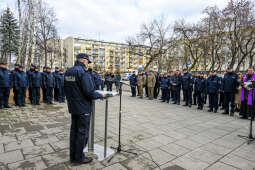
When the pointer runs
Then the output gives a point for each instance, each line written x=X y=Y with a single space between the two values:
x=163 y=101
x=7 y=106
x=222 y=108
x=178 y=103
x=231 y=113
x=167 y=101
x=174 y=103
x=85 y=161
x=215 y=111
x=185 y=105
x=189 y=105
x=210 y=110
x=194 y=104
x=38 y=104
x=1 y=107
x=198 y=108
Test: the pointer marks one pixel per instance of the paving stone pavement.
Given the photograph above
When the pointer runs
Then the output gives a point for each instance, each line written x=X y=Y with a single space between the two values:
x=175 y=137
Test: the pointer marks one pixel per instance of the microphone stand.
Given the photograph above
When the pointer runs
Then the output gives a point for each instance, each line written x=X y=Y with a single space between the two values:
x=250 y=138
x=118 y=148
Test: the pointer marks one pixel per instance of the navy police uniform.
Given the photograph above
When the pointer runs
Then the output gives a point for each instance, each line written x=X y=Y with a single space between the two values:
x=213 y=87
x=49 y=83
x=176 y=83
x=15 y=91
x=133 y=83
x=43 y=85
x=56 y=88
x=21 y=84
x=29 y=76
x=36 y=83
x=165 y=84
x=200 y=89
x=61 y=95
x=229 y=87
x=5 y=86
x=187 y=86
x=80 y=91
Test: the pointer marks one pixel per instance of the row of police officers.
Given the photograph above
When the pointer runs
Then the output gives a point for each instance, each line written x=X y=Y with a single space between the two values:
x=198 y=86
x=34 y=81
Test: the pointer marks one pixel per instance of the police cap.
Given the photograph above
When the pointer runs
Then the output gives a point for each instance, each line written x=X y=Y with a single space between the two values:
x=229 y=67
x=32 y=65
x=201 y=72
x=83 y=56
x=185 y=69
x=20 y=66
x=3 y=63
x=213 y=71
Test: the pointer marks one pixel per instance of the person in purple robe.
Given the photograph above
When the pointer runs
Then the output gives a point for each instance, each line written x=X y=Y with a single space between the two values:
x=247 y=95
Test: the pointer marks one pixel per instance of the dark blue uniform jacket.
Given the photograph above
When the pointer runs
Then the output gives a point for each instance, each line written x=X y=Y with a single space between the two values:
x=21 y=79
x=229 y=82
x=5 y=78
x=213 y=84
x=79 y=89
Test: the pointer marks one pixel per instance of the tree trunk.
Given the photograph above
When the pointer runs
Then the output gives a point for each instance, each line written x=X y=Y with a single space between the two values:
x=20 y=33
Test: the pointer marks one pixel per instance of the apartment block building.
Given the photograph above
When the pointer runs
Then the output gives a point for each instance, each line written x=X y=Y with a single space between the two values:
x=104 y=55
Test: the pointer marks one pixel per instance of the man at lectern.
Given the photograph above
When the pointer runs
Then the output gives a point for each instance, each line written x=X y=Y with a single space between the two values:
x=80 y=91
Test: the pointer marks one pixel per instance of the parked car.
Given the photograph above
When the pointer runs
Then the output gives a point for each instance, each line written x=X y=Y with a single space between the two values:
x=125 y=76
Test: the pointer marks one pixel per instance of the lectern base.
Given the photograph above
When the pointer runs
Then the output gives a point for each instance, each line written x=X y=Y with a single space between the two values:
x=99 y=151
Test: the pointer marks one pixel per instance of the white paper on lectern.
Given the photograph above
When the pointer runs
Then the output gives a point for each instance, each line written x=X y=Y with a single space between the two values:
x=113 y=93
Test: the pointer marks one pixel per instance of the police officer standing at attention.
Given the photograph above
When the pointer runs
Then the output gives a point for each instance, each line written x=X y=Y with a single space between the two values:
x=50 y=84
x=133 y=83
x=164 y=84
x=56 y=89
x=29 y=76
x=80 y=91
x=229 y=87
x=36 y=83
x=213 y=87
x=187 y=85
x=200 y=88
x=61 y=96
x=43 y=86
x=15 y=91
x=176 y=83
x=5 y=85
x=21 y=84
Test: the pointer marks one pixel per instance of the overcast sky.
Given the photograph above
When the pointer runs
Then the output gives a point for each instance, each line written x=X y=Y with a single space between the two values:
x=114 y=20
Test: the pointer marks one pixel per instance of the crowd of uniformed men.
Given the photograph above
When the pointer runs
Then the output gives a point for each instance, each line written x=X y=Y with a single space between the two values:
x=33 y=80
x=229 y=90
x=224 y=90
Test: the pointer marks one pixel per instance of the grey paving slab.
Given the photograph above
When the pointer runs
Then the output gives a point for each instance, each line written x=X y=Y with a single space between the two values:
x=33 y=163
x=159 y=156
x=205 y=156
x=18 y=145
x=10 y=157
x=190 y=163
x=115 y=166
x=35 y=151
x=60 y=145
x=56 y=158
x=173 y=135
x=238 y=162
x=7 y=139
x=175 y=149
x=221 y=166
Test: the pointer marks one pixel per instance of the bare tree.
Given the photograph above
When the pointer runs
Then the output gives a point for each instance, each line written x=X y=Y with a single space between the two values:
x=45 y=29
x=152 y=41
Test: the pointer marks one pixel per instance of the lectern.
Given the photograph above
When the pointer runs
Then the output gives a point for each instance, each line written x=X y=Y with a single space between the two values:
x=101 y=151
